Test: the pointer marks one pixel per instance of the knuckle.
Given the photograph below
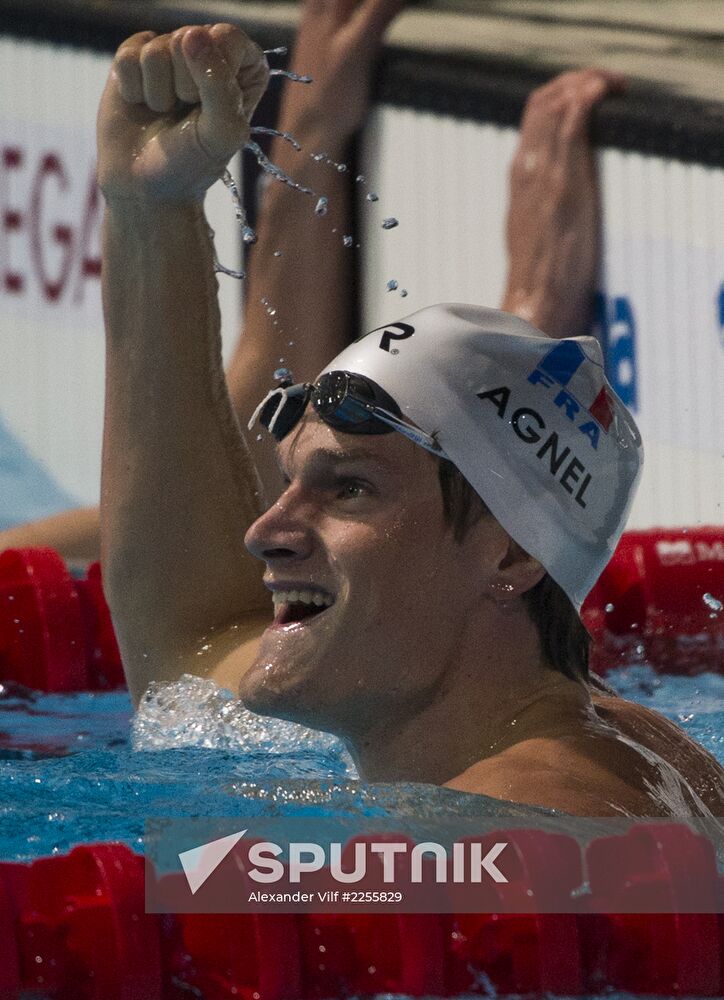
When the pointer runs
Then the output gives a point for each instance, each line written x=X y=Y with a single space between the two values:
x=156 y=50
x=126 y=61
x=134 y=42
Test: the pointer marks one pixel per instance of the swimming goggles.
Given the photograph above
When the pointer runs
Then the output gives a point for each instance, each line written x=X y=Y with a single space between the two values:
x=345 y=401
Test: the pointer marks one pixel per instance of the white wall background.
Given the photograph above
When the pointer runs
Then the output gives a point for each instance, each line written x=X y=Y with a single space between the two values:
x=446 y=181
x=51 y=323
x=662 y=279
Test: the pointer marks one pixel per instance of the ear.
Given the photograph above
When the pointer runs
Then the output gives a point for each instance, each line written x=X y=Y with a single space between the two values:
x=509 y=570
x=517 y=573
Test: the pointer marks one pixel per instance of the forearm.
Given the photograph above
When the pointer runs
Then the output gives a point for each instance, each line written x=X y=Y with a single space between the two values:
x=308 y=283
x=178 y=489
x=75 y=534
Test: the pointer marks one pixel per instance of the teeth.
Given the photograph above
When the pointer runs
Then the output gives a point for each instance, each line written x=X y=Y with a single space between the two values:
x=302 y=597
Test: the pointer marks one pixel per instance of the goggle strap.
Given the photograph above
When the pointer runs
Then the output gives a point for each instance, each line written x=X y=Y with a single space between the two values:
x=260 y=407
x=413 y=433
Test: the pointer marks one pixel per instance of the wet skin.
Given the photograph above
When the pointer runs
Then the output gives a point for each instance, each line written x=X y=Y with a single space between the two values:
x=426 y=662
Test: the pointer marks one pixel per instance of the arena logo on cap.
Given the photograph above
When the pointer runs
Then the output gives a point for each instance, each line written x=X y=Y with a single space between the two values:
x=563 y=366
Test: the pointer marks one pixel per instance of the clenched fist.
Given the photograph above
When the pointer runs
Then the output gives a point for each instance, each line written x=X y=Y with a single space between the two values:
x=175 y=110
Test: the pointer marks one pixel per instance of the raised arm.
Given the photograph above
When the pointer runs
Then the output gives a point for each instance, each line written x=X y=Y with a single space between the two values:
x=310 y=286
x=178 y=489
x=553 y=227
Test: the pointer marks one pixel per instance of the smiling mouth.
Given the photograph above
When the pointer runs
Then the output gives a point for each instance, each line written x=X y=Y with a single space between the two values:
x=299 y=606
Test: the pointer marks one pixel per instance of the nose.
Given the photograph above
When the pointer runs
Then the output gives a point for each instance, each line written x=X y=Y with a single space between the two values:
x=281 y=533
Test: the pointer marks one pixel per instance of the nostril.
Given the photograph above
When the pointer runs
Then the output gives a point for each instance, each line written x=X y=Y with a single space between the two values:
x=278 y=553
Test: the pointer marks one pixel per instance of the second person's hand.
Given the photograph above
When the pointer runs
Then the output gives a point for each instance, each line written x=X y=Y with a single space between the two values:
x=337 y=44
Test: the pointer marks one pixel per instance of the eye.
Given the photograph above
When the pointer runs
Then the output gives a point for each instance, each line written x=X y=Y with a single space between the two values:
x=352 y=489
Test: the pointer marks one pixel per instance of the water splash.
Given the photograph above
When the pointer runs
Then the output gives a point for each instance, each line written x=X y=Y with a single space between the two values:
x=247 y=233
x=263 y=130
x=270 y=309
x=390 y=223
x=342 y=168
x=273 y=170
x=219 y=268
x=295 y=77
x=713 y=603
x=322 y=206
x=348 y=241
x=281 y=50
x=222 y=269
x=194 y=712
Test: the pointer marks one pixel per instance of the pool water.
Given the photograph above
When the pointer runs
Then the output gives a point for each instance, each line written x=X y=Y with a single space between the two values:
x=79 y=768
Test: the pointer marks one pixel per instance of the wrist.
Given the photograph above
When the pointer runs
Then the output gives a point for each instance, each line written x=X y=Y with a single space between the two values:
x=316 y=134
x=146 y=213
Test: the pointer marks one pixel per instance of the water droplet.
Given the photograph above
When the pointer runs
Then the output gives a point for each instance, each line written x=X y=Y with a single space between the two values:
x=263 y=130
x=280 y=51
x=258 y=437
x=712 y=602
x=222 y=269
x=322 y=206
x=403 y=293
x=283 y=375
x=348 y=241
x=318 y=157
x=609 y=608
x=296 y=77
x=390 y=223
x=392 y=285
x=360 y=179
x=273 y=170
x=277 y=253
x=342 y=168
x=248 y=234
x=372 y=196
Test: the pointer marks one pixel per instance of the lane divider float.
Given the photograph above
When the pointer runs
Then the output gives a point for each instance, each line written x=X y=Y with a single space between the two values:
x=74 y=926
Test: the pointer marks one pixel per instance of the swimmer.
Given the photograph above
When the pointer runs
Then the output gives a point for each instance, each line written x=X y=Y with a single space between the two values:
x=442 y=518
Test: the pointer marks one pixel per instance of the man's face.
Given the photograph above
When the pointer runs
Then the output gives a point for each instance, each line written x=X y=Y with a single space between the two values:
x=360 y=530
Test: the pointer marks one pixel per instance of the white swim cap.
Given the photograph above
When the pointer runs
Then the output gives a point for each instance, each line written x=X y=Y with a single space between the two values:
x=531 y=423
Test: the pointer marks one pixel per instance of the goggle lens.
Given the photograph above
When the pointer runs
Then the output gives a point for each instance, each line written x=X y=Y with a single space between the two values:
x=345 y=401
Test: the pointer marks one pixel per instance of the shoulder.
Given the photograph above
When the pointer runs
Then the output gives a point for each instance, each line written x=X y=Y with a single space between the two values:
x=557 y=774
x=663 y=737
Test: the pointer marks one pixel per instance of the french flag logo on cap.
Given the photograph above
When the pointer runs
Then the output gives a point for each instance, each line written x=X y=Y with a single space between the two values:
x=563 y=365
